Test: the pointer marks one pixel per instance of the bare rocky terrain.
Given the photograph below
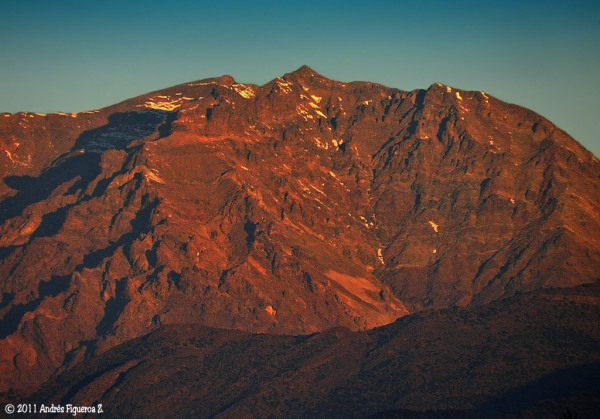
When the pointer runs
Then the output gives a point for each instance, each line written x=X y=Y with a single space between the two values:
x=271 y=213
x=480 y=361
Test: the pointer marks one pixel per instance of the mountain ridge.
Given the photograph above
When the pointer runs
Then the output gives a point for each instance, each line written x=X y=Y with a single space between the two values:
x=289 y=208
x=342 y=374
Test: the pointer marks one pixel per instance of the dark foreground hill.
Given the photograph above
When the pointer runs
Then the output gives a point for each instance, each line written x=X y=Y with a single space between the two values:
x=291 y=208
x=500 y=359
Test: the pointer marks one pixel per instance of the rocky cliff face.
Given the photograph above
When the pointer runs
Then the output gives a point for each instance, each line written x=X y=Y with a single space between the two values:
x=288 y=208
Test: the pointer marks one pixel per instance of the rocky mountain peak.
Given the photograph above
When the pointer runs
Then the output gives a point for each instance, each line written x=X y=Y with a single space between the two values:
x=288 y=208
x=305 y=72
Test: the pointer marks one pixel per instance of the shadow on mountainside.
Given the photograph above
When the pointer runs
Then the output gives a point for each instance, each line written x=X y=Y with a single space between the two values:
x=81 y=166
x=11 y=320
x=82 y=162
x=561 y=383
x=124 y=128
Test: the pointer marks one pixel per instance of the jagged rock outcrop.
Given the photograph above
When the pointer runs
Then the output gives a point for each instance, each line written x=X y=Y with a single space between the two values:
x=288 y=208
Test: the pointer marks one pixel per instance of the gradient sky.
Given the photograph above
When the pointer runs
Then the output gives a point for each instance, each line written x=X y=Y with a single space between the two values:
x=75 y=56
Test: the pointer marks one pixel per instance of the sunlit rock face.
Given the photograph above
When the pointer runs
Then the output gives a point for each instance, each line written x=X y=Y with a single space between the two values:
x=288 y=208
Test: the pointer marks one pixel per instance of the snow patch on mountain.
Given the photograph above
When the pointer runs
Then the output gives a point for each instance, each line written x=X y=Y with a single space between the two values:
x=434 y=226
x=284 y=86
x=244 y=91
x=166 y=104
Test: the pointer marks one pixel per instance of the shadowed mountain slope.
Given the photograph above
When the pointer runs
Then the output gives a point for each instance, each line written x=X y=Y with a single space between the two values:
x=480 y=361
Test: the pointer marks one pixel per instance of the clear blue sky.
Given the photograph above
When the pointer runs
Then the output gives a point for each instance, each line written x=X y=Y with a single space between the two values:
x=78 y=55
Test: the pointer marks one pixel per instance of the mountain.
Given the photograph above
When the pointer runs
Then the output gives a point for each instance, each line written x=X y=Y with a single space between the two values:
x=289 y=209
x=469 y=362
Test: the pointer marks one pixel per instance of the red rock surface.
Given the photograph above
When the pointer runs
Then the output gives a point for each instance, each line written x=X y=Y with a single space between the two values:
x=288 y=208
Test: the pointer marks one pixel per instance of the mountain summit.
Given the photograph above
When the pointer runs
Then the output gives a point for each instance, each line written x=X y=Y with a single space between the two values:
x=288 y=208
